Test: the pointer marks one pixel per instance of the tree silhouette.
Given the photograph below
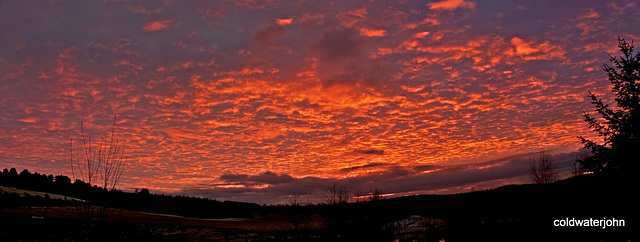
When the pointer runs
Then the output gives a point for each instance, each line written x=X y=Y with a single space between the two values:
x=144 y=192
x=575 y=167
x=13 y=172
x=543 y=171
x=618 y=127
x=336 y=194
x=101 y=165
x=298 y=217
x=375 y=194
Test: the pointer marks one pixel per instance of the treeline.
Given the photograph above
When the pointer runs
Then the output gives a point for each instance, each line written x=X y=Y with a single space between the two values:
x=141 y=201
x=59 y=184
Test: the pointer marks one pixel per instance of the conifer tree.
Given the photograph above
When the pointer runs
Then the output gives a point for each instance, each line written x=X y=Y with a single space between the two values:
x=619 y=126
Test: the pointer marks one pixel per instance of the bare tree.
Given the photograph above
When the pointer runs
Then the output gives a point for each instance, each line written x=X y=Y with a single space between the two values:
x=98 y=165
x=576 y=167
x=358 y=195
x=336 y=194
x=375 y=194
x=299 y=218
x=543 y=171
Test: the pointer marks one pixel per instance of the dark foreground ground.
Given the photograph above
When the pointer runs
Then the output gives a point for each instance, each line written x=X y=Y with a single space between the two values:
x=510 y=213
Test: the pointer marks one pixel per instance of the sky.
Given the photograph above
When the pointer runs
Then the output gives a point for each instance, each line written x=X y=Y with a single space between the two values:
x=262 y=100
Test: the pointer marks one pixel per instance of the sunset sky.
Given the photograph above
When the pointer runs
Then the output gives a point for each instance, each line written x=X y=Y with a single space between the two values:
x=256 y=100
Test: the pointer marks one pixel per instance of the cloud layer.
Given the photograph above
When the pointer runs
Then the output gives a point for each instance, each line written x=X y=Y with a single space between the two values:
x=242 y=99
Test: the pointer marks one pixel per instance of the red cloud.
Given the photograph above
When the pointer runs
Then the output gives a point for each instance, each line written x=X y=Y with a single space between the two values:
x=451 y=5
x=373 y=32
x=522 y=47
x=156 y=25
x=284 y=22
x=28 y=120
x=352 y=17
x=588 y=22
x=537 y=51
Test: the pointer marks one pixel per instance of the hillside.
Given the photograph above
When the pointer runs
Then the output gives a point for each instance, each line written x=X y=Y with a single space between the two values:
x=508 y=213
x=143 y=201
x=515 y=210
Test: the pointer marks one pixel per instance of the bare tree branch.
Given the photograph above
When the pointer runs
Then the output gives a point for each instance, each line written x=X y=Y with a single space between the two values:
x=543 y=171
x=336 y=194
x=103 y=164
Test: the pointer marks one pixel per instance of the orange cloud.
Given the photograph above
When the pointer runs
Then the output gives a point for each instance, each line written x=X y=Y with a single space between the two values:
x=360 y=13
x=589 y=15
x=353 y=90
x=535 y=51
x=432 y=21
x=451 y=5
x=28 y=120
x=413 y=41
x=421 y=34
x=373 y=32
x=522 y=47
x=284 y=22
x=352 y=17
x=156 y=25
x=588 y=22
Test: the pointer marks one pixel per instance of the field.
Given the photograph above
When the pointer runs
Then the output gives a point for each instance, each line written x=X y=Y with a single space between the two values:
x=501 y=214
x=22 y=192
x=64 y=222
x=264 y=224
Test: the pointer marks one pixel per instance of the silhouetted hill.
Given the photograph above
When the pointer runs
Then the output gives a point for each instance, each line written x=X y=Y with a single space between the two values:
x=143 y=201
x=509 y=213
x=526 y=212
